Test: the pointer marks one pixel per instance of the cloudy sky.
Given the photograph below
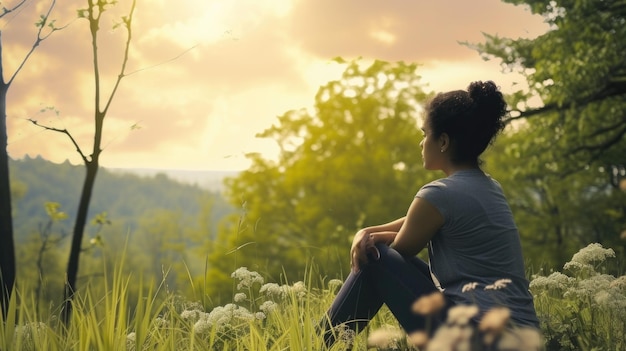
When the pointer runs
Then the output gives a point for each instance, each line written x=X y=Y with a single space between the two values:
x=207 y=75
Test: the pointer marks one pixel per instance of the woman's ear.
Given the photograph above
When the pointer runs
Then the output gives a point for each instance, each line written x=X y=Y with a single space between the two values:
x=444 y=142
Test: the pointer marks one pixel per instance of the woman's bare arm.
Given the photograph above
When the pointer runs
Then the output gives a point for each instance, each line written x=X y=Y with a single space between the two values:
x=421 y=223
x=393 y=226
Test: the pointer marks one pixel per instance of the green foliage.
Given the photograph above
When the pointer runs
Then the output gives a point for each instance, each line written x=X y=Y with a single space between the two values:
x=352 y=161
x=125 y=198
x=564 y=156
x=555 y=215
x=163 y=226
x=580 y=309
x=583 y=308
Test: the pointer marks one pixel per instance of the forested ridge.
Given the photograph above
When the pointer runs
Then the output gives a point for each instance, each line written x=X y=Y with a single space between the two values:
x=125 y=197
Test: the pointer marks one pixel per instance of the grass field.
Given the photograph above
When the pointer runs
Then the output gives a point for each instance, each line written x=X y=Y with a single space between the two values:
x=581 y=308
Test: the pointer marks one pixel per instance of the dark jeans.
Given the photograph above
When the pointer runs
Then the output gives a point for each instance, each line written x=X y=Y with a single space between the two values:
x=393 y=280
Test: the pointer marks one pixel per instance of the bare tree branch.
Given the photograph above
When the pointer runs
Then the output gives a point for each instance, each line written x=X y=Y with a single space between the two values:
x=614 y=88
x=38 y=40
x=127 y=23
x=6 y=11
x=603 y=145
x=607 y=128
x=66 y=132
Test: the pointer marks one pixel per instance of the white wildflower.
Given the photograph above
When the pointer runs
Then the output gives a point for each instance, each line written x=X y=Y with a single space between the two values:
x=579 y=268
x=202 y=326
x=246 y=278
x=602 y=297
x=619 y=283
x=587 y=288
x=385 y=338
x=461 y=314
x=592 y=253
x=131 y=341
x=611 y=299
x=196 y=305
x=498 y=284
x=273 y=290
x=299 y=289
x=469 y=287
x=132 y=337
x=445 y=338
x=418 y=339
x=523 y=339
x=334 y=283
x=493 y=323
x=268 y=306
x=556 y=280
x=429 y=304
x=239 y=297
x=191 y=316
x=345 y=335
x=222 y=318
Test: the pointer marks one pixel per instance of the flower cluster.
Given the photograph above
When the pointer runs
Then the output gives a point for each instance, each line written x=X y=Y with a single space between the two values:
x=233 y=318
x=224 y=318
x=582 y=303
x=556 y=281
x=246 y=278
x=493 y=331
x=590 y=254
x=273 y=290
x=387 y=337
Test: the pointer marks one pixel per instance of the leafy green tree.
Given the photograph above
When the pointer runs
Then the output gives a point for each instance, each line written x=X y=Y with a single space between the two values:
x=565 y=155
x=578 y=71
x=352 y=161
x=161 y=235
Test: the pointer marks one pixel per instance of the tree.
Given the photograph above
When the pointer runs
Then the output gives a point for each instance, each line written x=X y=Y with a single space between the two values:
x=93 y=14
x=353 y=161
x=578 y=70
x=7 y=250
x=565 y=155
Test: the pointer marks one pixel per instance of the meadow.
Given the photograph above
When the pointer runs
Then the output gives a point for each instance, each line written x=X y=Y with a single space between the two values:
x=583 y=307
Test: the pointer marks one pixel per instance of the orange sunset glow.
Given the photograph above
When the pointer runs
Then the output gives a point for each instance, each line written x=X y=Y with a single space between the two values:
x=207 y=75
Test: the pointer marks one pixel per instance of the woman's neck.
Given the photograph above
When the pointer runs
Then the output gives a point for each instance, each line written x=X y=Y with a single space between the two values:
x=453 y=168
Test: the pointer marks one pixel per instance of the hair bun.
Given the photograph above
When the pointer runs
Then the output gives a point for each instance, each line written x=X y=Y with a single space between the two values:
x=489 y=105
x=483 y=91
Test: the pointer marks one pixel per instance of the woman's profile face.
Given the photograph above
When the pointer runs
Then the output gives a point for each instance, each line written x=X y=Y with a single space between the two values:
x=431 y=153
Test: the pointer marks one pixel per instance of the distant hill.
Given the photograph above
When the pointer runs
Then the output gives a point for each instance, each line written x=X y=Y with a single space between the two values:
x=209 y=180
x=126 y=195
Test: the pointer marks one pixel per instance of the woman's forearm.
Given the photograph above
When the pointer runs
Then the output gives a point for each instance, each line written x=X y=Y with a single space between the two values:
x=393 y=226
x=384 y=237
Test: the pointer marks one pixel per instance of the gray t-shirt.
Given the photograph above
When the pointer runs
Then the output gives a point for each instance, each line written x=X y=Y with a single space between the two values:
x=478 y=243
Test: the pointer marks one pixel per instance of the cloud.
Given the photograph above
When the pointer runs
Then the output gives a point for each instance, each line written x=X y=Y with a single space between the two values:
x=415 y=31
x=205 y=76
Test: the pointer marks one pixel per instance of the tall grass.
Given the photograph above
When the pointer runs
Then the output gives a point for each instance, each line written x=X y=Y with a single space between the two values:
x=269 y=316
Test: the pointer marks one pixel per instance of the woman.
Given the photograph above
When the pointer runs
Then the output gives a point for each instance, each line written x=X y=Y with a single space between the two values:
x=463 y=220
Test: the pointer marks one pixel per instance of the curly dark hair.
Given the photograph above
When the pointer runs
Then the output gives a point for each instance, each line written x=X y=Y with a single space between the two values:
x=472 y=118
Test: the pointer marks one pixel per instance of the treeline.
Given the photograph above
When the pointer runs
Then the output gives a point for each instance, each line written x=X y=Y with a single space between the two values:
x=152 y=227
x=126 y=198
x=357 y=162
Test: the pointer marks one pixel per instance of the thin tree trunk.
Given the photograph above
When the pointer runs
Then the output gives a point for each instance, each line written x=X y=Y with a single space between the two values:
x=77 y=238
x=7 y=248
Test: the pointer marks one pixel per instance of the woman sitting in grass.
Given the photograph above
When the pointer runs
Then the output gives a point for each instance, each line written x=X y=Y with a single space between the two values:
x=463 y=219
